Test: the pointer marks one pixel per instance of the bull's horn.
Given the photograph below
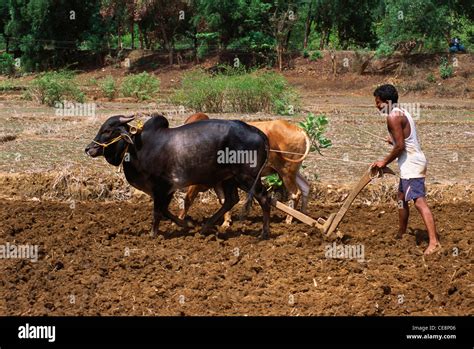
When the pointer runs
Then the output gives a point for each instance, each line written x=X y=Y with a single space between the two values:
x=126 y=119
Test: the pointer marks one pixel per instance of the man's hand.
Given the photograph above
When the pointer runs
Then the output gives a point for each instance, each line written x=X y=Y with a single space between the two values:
x=379 y=164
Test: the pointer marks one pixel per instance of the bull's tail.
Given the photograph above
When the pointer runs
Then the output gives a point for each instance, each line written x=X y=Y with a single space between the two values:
x=248 y=202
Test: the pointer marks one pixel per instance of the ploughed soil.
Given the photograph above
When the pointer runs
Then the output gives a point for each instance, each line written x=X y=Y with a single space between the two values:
x=97 y=258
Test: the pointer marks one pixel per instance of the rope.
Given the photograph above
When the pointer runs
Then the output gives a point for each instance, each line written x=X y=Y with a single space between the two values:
x=370 y=133
x=286 y=152
x=105 y=145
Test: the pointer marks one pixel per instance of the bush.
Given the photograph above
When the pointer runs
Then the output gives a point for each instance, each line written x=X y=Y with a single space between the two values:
x=315 y=126
x=245 y=92
x=445 y=70
x=109 y=87
x=315 y=55
x=431 y=78
x=305 y=53
x=7 y=64
x=142 y=86
x=51 y=87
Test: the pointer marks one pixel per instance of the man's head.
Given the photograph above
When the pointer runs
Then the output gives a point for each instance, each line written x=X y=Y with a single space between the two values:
x=385 y=96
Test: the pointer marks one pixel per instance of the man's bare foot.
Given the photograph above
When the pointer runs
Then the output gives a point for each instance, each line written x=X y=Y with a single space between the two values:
x=432 y=248
x=399 y=235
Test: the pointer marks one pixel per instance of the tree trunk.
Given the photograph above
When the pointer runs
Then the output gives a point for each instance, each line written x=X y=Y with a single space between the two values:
x=132 y=33
x=170 y=53
x=322 y=40
x=307 y=27
x=195 y=47
x=140 y=36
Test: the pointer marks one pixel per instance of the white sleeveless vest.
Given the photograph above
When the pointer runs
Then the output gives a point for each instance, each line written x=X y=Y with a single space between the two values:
x=412 y=162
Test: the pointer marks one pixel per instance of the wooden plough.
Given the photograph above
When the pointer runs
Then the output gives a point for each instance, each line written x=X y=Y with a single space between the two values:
x=329 y=225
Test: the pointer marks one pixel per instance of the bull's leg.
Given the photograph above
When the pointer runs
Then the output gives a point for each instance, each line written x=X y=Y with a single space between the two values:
x=162 y=202
x=191 y=195
x=264 y=200
x=227 y=216
x=227 y=221
x=305 y=188
x=288 y=177
x=157 y=215
x=231 y=198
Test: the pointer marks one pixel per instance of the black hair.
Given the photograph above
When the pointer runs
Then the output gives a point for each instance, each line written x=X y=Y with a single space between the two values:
x=387 y=93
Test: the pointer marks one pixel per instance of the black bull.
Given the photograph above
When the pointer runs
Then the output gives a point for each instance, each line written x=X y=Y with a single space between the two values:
x=158 y=160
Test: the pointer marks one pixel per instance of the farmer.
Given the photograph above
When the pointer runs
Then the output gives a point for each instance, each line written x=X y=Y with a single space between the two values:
x=411 y=161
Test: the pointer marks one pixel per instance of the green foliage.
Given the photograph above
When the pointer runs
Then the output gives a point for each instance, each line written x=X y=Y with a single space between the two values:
x=259 y=29
x=428 y=21
x=52 y=87
x=7 y=85
x=272 y=181
x=241 y=92
x=315 y=126
x=315 y=55
x=7 y=64
x=431 y=78
x=142 y=86
x=109 y=87
x=445 y=70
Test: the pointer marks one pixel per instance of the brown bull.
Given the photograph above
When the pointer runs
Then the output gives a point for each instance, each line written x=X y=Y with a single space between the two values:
x=284 y=139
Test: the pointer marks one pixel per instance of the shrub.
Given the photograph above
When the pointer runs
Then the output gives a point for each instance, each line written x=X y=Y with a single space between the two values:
x=245 y=92
x=142 y=86
x=51 y=87
x=445 y=70
x=431 y=78
x=109 y=87
x=315 y=126
x=315 y=55
x=7 y=64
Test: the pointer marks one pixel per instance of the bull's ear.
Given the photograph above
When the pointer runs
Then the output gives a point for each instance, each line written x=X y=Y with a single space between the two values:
x=126 y=137
x=126 y=119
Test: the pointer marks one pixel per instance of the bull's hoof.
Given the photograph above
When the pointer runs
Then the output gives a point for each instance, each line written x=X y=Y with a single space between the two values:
x=225 y=226
x=187 y=224
x=153 y=233
x=206 y=229
x=264 y=236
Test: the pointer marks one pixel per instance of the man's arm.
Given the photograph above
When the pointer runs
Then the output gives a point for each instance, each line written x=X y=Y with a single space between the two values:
x=394 y=124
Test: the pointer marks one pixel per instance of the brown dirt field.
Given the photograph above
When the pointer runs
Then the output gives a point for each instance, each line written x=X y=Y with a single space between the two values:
x=83 y=268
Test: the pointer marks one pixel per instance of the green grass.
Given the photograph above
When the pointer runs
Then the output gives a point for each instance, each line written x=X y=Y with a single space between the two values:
x=53 y=87
x=109 y=87
x=142 y=86
x=243 y=92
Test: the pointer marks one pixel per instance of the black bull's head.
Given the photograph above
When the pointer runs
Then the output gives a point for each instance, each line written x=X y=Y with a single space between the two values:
x=114 y=129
